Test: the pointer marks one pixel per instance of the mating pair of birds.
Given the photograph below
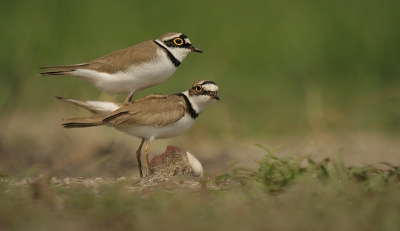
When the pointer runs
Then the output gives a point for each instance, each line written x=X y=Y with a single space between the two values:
x=133 y=69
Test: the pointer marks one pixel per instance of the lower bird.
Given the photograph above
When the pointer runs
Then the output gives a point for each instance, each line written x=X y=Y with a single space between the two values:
x=153 y=117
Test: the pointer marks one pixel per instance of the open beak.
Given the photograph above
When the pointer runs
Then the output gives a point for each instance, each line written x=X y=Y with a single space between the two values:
x=214 y=95
x=194 y=49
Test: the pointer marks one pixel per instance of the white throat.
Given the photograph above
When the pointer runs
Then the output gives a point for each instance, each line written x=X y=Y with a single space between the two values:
x=179 y=53
x=199 y=102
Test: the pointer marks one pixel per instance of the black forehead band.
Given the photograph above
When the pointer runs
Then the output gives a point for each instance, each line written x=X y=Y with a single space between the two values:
x=208 y=92
x=208 y=82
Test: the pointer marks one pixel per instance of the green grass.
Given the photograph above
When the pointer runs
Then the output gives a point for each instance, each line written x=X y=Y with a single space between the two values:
x=282 y=193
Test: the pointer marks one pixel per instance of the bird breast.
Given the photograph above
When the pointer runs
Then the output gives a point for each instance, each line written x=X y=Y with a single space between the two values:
x=149 y=132
x=137 y=77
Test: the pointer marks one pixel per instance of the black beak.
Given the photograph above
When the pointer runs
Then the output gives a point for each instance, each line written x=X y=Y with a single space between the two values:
x=194 y=49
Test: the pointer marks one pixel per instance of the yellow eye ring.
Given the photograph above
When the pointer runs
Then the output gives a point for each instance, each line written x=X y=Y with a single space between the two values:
x=178 y=41
x=199 y=88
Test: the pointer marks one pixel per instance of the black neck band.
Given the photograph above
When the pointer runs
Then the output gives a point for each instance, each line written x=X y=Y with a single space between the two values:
x=192 y=112
x=171 y=57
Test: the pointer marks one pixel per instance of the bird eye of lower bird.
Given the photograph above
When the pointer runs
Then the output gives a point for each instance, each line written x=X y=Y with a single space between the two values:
x=199 y=88
x=178 y=41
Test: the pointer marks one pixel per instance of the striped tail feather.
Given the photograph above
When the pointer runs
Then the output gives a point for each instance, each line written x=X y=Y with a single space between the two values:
x=56 y=73
x=83 y=122
x=62 y=70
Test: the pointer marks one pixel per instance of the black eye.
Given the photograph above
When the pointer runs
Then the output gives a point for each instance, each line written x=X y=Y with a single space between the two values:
x=199 y=88
x=178 y=41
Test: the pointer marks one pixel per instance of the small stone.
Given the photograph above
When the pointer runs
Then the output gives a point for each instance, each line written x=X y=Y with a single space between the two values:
x=173 y=162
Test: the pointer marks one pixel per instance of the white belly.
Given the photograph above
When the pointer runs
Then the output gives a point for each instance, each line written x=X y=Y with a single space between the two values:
x=148 y=132
x=134 y=79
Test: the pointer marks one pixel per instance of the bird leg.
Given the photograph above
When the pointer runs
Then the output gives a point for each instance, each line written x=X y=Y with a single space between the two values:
x=138 y=154
x=128 y=99
x=146 y=153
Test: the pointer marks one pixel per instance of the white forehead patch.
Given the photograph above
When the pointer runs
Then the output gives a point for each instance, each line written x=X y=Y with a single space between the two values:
x=187 y=40
x=210 y=87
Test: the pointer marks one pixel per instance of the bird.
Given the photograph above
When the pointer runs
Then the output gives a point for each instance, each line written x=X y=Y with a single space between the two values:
x=133 y=68
x=104 y=107
x=153 y=117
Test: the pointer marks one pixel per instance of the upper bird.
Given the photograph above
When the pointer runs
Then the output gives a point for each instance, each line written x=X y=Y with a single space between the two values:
x=133 y=68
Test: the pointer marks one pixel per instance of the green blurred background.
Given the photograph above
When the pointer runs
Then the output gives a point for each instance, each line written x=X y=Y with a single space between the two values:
x=283 y=68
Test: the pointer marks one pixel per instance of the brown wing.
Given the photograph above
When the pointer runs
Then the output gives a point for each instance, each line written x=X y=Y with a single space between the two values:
x=124 y=58
x=113 y=62
x=156 y=111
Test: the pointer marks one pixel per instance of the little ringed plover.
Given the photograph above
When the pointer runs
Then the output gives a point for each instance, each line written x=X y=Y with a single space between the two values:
x=153 y=117
x=134 y=68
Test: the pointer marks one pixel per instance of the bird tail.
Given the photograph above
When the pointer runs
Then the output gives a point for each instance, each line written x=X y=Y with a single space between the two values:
x=62 y=70
x=84 y=122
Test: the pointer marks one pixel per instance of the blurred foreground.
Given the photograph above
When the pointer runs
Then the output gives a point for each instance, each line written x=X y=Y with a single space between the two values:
x=278 y=195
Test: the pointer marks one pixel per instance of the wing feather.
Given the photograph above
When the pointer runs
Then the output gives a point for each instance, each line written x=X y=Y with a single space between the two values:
x=140 y=53
x=111 y=63
x=155 y=111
